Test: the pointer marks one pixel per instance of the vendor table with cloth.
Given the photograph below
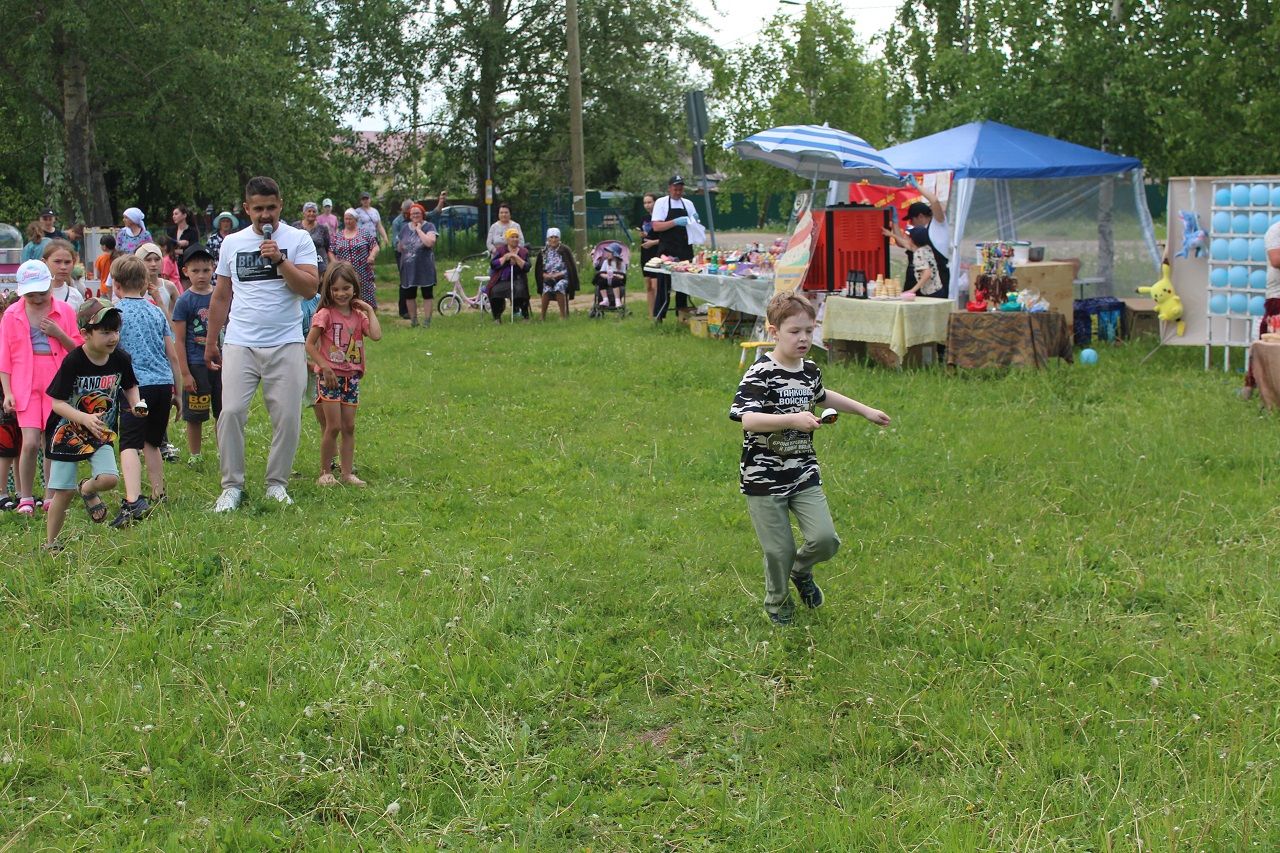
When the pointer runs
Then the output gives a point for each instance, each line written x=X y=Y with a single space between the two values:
x=745 y=295
x=1007 y=339
x=896 y=323
x=1264 y=359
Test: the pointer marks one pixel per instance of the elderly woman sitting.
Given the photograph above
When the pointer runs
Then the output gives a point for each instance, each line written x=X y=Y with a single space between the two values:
x=509 y=278
x=556 y=274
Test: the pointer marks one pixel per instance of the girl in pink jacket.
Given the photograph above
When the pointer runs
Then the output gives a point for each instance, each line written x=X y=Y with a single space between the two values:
x=36 y=333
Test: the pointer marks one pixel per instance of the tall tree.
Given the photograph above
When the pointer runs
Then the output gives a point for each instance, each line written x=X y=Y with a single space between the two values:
x=805 y=69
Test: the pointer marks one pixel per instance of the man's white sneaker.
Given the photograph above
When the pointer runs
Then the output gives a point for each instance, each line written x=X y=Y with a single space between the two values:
x=229 y=500
x=277 y=493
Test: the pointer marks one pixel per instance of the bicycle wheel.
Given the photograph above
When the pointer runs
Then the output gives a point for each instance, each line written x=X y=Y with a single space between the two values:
x=449 y=304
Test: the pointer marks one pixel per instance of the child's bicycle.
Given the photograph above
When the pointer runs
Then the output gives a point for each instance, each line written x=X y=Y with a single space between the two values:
x=451 y=303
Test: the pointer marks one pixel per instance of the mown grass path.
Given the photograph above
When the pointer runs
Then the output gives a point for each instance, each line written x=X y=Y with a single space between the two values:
x=1053 y=624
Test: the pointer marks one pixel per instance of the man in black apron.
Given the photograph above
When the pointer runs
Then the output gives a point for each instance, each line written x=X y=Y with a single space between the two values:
x=671 y=215
x=920 y=215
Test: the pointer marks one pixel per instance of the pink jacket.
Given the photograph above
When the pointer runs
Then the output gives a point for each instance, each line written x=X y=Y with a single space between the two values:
x=16 y=356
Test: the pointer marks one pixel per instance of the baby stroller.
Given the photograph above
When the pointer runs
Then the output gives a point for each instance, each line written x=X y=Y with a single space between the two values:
x=611 y=260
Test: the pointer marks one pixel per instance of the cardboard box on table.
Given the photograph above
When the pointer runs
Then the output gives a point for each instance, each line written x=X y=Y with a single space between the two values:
x=1054 y=281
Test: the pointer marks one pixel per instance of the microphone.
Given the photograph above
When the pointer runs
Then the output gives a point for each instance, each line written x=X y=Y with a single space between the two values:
x=267 y=231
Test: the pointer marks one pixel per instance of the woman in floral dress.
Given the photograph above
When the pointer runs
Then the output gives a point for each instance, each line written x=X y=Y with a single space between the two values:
x=358 y=248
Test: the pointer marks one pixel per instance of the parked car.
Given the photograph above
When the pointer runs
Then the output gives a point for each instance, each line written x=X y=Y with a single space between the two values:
x=459 y=216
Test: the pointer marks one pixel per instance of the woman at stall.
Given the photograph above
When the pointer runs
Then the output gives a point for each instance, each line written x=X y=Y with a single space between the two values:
x=358 y=247
x=223 y=224
x=183 y=232
x=133 y=232
x=649 y=250
x=556 y=274
x=417 y=242
x=509 y=276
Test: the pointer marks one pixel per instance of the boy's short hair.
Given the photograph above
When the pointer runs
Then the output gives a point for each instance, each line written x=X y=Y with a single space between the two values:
x=261 y=185
x=108 y=242
x=129 y=273
x=788 y=304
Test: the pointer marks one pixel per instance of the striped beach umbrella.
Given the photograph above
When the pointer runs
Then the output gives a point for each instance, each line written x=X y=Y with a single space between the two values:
x=818 y=152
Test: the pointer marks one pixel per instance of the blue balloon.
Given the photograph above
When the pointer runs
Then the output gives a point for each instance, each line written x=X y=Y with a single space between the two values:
x=1240 y=195
x=1218 y=303
x=1239 y=303
x=1258 y=223
x=1218 y=277
x=1240 y=223
x=1275 y=220
x=1239 y=249
x=1238 y=277
x=1222 y=197
x=1088 y=356
x=1221 y=221
x=1258 y=250
x=1275 y=196
x=1257 y=306
x=1258 y=280
x=1218 y=250
x=1259 y=195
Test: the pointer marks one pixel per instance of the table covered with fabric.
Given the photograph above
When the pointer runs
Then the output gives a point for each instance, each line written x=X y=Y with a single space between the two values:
x=745 y=295
x=1007 y=339
x=1264 y=362
x=898 y=324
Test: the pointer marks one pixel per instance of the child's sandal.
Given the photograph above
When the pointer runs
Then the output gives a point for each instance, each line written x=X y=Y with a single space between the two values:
x=93 y=504
x=326 y=479
x=353 y=480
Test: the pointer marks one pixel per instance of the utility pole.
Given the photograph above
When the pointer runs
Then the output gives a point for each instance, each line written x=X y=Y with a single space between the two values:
x=576 y=159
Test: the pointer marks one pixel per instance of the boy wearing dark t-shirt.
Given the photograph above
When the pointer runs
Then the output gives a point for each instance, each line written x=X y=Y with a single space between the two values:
x=201 y=392
x=86 y=405
x=779 y=469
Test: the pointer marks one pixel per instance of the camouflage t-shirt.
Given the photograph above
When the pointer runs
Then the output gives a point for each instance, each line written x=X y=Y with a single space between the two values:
x=778 y=463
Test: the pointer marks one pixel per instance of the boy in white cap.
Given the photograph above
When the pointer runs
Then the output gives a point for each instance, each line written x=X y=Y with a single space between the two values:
x=327 y=217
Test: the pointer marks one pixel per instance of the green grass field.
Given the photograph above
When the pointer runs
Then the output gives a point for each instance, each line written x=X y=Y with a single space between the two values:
x=1053 y=624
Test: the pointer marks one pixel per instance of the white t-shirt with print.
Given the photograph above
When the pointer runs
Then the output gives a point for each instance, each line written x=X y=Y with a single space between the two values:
x=264 y=311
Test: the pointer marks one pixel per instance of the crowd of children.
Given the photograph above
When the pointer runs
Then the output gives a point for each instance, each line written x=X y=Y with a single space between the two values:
x=88 y=372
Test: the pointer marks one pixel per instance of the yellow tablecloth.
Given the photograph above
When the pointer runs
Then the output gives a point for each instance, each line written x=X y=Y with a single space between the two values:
x=901 y=325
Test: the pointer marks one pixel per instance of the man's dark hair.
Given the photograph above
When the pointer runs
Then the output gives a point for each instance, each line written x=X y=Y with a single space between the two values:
x=919 y=208
x=261 y=186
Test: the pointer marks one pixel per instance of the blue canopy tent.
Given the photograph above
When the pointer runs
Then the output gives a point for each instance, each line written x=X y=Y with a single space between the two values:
x=1005 y=177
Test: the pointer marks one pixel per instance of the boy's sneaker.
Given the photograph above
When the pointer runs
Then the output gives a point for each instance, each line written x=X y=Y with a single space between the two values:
x=278 y=494
x=168 y=452
x=194 y=459
x=810 y=592
x=8 y=502
x=131 y=511
x=782 y=619
x=229 y=500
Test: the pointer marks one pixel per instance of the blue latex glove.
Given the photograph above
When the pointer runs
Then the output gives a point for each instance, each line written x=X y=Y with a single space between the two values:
x=682 y=221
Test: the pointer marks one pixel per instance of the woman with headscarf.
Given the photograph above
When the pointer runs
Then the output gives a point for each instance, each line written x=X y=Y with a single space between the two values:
x=509 y=278
x=417 y=242
x=223 y=224
x=134 y=232
x=555 y=274
x=358 y=247
x=319 y=232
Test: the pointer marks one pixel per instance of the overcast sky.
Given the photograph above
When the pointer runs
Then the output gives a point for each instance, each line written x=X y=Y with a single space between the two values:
x=735 y=22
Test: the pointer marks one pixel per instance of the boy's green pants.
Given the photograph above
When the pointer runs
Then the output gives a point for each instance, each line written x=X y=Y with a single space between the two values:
x=770 y=515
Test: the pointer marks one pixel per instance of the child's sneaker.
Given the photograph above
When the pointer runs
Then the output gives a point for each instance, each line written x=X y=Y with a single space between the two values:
x=782 y=618
x=131 y=511
x=810 y=592
x=168 y=452
x=194 y=460
x=8 y=502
